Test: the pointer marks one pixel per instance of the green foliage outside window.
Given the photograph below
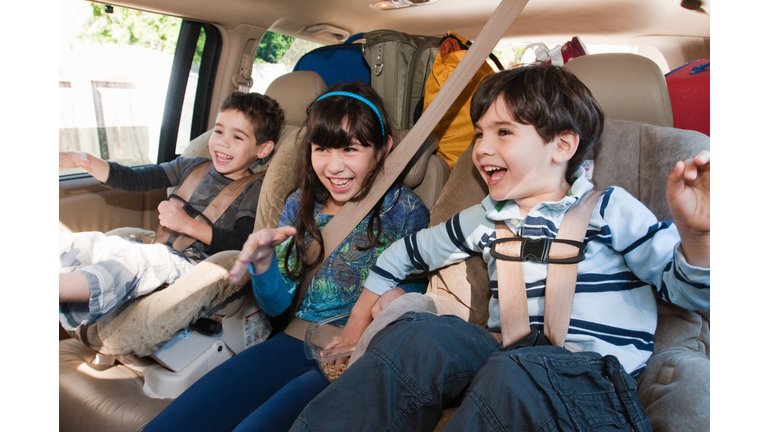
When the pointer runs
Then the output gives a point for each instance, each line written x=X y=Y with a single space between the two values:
x=133 y=27
x=272 y=47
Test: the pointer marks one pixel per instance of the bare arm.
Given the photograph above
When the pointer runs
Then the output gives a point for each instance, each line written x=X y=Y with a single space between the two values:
x=94 y=166
x=688 y=199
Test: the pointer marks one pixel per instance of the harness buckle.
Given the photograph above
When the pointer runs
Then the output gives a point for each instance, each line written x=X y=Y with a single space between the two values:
x=538 y=250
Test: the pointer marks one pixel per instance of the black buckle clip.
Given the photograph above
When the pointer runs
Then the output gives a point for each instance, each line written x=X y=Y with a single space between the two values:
x=537 y=250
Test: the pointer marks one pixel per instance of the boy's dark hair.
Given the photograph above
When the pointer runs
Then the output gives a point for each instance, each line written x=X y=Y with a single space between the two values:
x=549 y=98
x=327 y=118
x=263 y=112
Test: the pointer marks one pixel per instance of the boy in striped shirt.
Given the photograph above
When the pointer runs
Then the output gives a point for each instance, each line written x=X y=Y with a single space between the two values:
x=533 y=127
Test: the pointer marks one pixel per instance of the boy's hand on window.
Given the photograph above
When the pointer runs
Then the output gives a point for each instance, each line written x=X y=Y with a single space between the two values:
x=73 y=159
x=258 y=249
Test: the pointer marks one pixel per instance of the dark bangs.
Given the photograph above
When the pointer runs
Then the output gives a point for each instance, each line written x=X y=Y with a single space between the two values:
x=326 y=120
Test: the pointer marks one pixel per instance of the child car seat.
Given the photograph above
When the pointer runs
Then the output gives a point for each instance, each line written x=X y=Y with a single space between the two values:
x=113 y=396
x=120 y=397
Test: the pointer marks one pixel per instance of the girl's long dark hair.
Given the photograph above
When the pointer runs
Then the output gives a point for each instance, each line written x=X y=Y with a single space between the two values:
x=325 y=127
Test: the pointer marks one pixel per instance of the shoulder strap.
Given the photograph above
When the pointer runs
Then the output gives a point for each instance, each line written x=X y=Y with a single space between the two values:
x=339 y=227
x=182 y=195
x=561 y=278
x=215 y=208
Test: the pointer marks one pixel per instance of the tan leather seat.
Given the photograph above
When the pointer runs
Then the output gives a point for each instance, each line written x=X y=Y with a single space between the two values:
x=627 y=86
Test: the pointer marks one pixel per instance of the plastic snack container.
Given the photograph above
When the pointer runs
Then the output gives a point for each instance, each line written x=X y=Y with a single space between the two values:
x=318 y=336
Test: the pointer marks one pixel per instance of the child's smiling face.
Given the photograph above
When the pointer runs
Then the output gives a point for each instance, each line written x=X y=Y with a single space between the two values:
x=233 y=146
x=515 y=161
x=342 y=171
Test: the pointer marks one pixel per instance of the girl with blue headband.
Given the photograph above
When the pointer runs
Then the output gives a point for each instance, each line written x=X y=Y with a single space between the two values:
x=265 y=387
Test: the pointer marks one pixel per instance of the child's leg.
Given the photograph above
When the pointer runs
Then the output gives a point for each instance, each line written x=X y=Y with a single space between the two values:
x=411 y=371
x=73 y=288
x=549 y=388
x=133 y=270
x=227 y=395
x=81 y=249
x=280 y=411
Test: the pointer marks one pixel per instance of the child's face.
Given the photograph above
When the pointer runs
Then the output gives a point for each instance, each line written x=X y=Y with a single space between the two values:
x=342 y=171
x=233 y=146
x=515 y=161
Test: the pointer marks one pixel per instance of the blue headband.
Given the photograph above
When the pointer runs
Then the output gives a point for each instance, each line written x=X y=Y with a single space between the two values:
x=361 y=99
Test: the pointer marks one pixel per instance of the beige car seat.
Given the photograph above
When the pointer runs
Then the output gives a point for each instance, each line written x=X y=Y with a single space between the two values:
x=96 y=397
x=674 y=387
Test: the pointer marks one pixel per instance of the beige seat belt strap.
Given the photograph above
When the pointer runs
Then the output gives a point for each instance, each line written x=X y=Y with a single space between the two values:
x=185 y=191
x=339 y=227
x=561 y=278
x=215 y=208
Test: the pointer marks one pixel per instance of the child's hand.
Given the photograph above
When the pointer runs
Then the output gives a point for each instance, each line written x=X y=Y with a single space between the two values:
x=387 y=298
x=94 y=166
x=73 y=159
x=258 y=250
x=688 y=200
x=173 y=216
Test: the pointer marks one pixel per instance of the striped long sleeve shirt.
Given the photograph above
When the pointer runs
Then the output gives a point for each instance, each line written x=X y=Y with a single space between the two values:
x=629 y=253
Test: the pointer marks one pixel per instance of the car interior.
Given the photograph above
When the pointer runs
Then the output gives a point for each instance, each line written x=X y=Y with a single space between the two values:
x=119 y=373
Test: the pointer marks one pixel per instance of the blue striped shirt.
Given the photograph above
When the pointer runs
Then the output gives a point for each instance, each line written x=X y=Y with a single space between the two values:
x=628 y=253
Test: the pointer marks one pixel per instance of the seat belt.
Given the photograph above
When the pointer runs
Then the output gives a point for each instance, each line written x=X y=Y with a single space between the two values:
x=350 y=215
x=212 y=212
x=563 y=255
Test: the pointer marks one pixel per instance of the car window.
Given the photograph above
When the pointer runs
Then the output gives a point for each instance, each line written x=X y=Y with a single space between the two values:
x=114 y=69
x=276 y=55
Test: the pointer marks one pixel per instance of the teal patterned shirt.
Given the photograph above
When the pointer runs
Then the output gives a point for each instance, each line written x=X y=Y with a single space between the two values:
x=339 y=282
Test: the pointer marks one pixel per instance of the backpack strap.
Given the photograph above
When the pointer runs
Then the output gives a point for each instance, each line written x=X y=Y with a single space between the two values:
x=212 y=212
x=565 y=252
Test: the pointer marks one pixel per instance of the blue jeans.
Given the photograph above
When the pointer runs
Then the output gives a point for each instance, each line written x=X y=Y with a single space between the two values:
x=264 y=388
x=422 y=364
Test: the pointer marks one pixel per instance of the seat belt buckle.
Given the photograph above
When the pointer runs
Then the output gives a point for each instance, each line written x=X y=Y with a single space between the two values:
x=538 y=250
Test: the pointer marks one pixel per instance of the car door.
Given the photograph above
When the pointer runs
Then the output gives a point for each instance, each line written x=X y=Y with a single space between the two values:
x=132 y=103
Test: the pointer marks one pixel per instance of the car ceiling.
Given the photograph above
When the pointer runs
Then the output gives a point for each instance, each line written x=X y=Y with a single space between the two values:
x=598 y=21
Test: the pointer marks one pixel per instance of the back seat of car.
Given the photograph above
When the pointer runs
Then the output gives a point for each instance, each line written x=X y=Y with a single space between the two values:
x=106 y=397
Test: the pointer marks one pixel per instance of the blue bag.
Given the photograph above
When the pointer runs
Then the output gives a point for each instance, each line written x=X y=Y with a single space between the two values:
x=337 y=63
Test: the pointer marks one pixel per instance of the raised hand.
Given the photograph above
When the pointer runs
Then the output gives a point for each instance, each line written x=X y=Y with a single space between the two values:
x=258 y=249
x=94 y=166
x=688 y=200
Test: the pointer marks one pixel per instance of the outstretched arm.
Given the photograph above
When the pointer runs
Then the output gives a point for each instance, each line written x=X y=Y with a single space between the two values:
x=688 y=200
x=94 y=166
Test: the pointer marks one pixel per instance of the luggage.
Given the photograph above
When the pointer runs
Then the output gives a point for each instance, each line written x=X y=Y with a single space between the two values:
x=455 y=131
x=399 y=65
x=341 y=63
x=688 y=88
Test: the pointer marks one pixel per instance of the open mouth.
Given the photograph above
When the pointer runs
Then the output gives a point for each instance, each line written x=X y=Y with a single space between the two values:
x=340 y=184
x=223 y=158
x=494 y=175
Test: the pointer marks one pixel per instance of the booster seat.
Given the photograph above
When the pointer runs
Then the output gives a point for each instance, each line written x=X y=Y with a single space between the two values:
x=95 y=397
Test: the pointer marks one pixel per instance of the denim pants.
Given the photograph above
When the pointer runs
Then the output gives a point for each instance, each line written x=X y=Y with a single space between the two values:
x=422 y=364
x=264 y=388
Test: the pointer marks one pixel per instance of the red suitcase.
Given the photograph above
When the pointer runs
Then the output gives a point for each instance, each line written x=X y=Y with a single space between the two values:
x=689 y=93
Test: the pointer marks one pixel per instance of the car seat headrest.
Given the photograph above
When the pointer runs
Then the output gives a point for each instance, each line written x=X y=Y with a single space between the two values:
x=627 y=86
x=294 y=92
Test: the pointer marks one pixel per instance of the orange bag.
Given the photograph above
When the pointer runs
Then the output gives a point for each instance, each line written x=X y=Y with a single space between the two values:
x=455 y=130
